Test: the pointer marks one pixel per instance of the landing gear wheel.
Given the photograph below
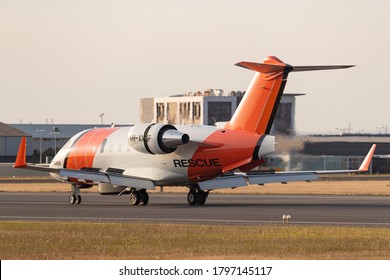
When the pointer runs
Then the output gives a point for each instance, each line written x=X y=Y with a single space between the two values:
x=72 y=199
x=201 y=197
x=135 y=198
x=196 y=195
x=192 y=197
x=144 y=197
x=77 y=199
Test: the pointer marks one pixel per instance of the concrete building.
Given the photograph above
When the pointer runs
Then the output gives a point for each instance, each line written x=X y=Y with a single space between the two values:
x=210 y=107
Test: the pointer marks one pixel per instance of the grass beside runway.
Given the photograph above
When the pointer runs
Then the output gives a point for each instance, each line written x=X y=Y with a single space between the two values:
x=89 y=240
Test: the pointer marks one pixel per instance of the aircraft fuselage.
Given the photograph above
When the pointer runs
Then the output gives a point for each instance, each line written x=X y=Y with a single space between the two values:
x=209 y=153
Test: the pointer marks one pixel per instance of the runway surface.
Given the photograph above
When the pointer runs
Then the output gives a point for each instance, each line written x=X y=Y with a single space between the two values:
x=220 y=209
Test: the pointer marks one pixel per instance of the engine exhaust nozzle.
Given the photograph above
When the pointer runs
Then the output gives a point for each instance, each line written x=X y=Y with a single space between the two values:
x=173 y=138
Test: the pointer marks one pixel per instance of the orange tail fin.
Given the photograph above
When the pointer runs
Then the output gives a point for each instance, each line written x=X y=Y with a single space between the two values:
x=257 y=109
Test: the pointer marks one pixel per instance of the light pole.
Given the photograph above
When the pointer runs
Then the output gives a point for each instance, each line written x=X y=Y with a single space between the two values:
x=40 y=131
x=55 y=133
x=101 y=117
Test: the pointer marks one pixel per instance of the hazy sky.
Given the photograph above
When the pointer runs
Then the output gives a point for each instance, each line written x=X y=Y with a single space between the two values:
x=70 y=60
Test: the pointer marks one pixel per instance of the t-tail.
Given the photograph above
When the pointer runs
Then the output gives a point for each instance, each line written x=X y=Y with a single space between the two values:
x=257 y=109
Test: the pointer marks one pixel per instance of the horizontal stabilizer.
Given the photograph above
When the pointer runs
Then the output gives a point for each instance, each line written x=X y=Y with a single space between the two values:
x=316 y=68
x=272 y=69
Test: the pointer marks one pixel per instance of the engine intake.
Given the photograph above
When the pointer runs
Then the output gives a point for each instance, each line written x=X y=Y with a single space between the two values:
x=156 y=138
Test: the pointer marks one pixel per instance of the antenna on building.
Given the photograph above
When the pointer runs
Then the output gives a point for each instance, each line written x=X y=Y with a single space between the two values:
x=349 y=129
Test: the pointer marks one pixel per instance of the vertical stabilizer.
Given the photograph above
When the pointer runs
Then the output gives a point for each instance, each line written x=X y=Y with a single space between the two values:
x=258 y=107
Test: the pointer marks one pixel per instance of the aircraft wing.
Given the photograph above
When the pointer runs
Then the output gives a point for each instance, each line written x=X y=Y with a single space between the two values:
x=96 y=176
x=243 y=179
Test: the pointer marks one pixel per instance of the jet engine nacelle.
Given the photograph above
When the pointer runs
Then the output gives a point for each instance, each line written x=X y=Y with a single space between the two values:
x=156 y=138
x=266 y=145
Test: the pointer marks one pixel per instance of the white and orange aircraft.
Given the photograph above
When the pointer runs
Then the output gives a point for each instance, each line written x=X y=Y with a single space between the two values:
x=138 y=158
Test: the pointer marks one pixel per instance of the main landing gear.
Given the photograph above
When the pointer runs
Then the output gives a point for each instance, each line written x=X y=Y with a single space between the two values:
x=196 y=195
x=137 y=197
x=75 y=197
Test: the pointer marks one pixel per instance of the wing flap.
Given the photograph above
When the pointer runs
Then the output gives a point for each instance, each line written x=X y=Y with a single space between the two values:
x=107 y=177
x=123 y=180
x=282 y=177
x=233 y=181
x=85 y=175
x=243 y=179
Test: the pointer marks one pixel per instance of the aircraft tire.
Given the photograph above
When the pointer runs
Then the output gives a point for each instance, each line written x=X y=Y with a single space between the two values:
x=77 y=199
x=192 y=198
x=201 y=198
x=144 y=198
x=135 y=198
x=72 y=198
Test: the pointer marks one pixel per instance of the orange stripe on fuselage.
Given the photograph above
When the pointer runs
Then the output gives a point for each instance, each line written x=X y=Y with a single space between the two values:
x=236 y=150
x=84 y=150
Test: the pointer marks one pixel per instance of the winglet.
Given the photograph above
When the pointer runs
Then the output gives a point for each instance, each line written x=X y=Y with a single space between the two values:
x=21 y=157
x=367 y=160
